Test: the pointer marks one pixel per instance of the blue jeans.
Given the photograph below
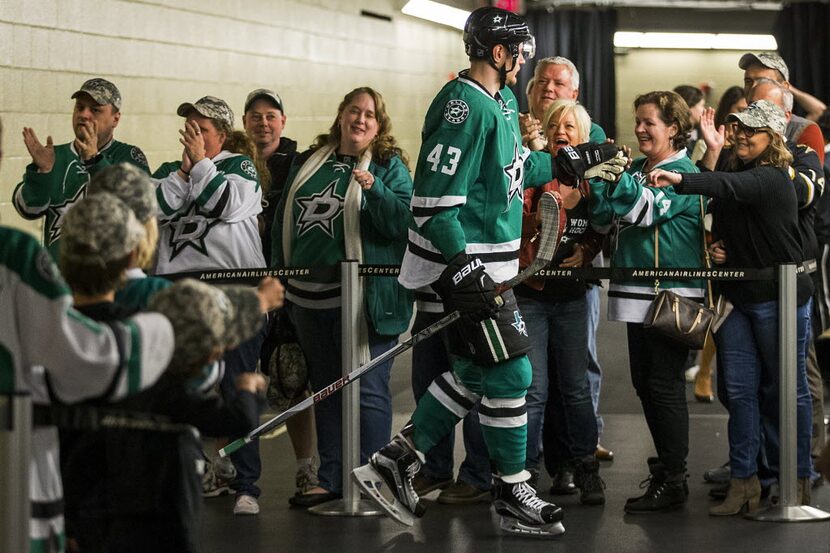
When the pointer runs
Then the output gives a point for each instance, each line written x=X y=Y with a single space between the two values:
x=748 y=351
x=594 y=370
x=430 y=359
x=559 y=407
x=246 y=460
x=318 y=331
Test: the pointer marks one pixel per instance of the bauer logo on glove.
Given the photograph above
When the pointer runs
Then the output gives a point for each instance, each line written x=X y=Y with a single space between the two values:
x=466 y=270
x=573 y=164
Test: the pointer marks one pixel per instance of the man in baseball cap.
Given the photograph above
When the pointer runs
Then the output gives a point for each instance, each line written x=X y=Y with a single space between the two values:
x=772 y=66
x=58 y=175
x=264 y=121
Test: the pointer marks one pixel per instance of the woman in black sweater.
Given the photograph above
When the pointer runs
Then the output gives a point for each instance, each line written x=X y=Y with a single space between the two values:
x=755 y=215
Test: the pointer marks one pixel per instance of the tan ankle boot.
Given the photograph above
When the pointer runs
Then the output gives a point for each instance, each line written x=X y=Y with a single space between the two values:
x=742 y=491
x=703 y=384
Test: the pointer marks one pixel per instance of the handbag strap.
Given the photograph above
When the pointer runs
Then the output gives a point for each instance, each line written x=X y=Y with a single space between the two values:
x=706 y=260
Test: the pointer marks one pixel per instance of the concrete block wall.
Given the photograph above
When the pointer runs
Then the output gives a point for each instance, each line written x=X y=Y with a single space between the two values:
x=161 y=53
x=644 y=70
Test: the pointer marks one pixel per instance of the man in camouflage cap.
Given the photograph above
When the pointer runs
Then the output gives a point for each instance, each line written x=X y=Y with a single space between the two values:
x=57 y=177
x=772 y=66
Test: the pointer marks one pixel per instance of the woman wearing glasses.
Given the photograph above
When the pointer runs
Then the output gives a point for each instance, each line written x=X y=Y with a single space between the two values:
x=755 y=212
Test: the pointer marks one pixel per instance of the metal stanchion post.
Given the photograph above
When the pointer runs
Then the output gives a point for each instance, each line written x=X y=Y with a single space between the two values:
x=351 y=504
x=788 y=508
x=15 y=456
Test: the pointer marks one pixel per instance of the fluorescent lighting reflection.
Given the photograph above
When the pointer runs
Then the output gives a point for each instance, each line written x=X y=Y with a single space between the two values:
x=695 y=41
x=436 y=12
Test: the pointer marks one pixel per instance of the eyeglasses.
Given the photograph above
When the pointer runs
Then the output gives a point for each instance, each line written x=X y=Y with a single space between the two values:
x=748 y=132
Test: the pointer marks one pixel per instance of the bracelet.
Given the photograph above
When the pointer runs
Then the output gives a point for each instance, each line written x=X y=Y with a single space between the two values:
x=185 y=172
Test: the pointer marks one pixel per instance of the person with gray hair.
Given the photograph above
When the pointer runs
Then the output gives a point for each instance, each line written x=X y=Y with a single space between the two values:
x=554 y=78
x=58 y=175
x=773 y=67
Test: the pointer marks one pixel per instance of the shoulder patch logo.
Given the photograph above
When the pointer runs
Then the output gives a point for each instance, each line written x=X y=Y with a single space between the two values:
x=138 y=156
x=249 y=169
x=456 y=111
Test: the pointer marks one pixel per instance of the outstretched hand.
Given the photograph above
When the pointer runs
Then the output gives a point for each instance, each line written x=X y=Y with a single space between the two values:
x=660 y=178
x=42 y=156
x=271 y=294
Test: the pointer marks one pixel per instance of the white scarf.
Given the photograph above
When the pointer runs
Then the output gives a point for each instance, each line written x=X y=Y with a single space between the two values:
x=351 y=226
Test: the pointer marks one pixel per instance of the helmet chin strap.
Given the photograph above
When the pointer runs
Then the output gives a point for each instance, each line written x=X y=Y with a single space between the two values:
x=503 y=70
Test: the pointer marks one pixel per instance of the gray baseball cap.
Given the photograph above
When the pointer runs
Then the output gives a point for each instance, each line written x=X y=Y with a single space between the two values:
x=265 y=94
x=760 y=114
x=102 y=91
x=99 y=229
x=129 y=184
x=210 y=107
x=205 y=317
x=770 y=61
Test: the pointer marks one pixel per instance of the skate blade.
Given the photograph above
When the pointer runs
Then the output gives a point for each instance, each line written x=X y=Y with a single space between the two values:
x=513 y=526
x=372 y=484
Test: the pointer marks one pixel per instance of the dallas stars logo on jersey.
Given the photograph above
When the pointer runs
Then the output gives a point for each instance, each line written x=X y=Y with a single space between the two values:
x=320 y=210
x=515 y=176
x=190 y=229
x=57 y=212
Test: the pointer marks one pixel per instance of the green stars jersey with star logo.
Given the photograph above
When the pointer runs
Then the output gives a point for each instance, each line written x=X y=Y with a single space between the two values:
x=52 y=194
x=471 y=172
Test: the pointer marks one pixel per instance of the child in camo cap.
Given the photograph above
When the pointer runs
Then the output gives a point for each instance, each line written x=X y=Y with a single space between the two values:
x=134 y=187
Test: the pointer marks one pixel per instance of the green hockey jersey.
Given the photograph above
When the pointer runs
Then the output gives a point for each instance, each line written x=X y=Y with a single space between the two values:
x=39 y=328
x=469 y=182
x=51 y=194
x=638 y=211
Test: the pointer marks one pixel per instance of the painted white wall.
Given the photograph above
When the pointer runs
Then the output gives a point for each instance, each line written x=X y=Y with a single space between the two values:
x=162 y=53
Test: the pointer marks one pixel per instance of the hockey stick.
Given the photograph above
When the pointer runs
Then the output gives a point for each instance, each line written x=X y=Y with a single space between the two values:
x=549 y=235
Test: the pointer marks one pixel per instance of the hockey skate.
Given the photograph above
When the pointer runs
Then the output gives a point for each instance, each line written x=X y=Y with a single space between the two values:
x=522 y=512
x=387 y=479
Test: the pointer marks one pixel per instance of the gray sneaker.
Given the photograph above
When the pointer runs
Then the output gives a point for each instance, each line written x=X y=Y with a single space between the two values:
x=462 y=493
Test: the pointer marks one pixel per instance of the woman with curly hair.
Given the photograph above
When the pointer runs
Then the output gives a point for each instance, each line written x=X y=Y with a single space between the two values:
x=346 y=198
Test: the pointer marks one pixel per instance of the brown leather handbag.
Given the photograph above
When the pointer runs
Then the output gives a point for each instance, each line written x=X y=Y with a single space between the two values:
x=679 y=318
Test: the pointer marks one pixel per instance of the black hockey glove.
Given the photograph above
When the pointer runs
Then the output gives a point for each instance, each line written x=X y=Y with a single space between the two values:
x=572 y=162
x=465 y=286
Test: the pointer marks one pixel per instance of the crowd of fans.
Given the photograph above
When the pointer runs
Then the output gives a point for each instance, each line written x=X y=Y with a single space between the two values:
x=740 y=184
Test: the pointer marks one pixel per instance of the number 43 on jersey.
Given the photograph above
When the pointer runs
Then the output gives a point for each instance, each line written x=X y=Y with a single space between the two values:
x=446 y=162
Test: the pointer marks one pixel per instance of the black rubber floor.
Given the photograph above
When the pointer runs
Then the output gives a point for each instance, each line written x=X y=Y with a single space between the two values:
x=606 y=529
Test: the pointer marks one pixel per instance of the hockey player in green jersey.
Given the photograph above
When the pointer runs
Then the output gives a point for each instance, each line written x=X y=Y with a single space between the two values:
x=467 y=208
x=58 y=175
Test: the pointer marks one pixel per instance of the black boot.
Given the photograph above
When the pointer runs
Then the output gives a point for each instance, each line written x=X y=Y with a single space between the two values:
x=665 y=492
x=563 y=481
x=656 y=474
x=587 y=479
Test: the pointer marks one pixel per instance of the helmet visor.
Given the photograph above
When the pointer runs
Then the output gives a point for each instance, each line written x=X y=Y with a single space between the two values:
x=528 y=48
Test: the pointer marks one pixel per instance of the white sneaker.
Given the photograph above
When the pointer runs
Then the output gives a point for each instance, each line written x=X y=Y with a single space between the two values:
x=246 y=505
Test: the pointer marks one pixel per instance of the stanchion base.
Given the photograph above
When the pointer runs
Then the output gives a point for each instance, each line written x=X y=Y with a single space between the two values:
x=342 y=508
x=783 y=513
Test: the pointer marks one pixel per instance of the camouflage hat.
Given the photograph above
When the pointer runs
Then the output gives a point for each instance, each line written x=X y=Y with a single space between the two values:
x=770 y=61
x=99 y=229
x=760 y=114
x=288 y=376
x=210 y=107
x=129 y=184
x=266 y=94
x=102 y=91
x=198 y=313
x=247 y=318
